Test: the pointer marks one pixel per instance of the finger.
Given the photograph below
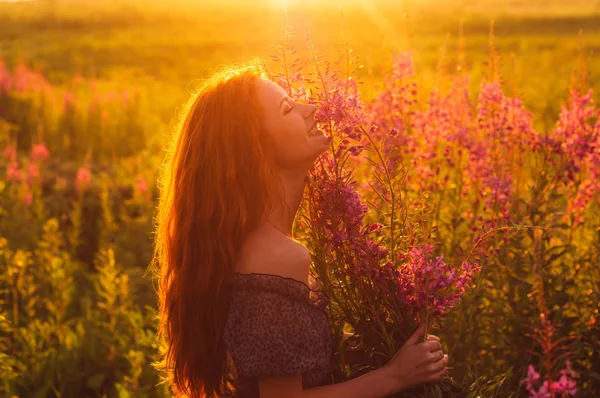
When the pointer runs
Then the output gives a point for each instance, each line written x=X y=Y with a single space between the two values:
x=436 y=356
x=431 y=345
x=437 y=376
x=415 y=336
x=432 y=362
x=436 y=367
x=432 y=337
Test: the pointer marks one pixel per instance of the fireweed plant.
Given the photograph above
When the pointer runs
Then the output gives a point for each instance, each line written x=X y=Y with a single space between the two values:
x=553 y=349
x=376 y=252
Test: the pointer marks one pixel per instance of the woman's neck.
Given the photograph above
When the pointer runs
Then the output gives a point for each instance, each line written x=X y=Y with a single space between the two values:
x=293 y=183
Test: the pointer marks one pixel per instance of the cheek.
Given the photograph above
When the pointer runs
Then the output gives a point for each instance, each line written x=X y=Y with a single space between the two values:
x=286 y=130
x=289 y=146
x=289 y=139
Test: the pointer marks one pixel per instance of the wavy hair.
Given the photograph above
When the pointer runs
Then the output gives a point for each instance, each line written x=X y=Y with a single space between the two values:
x=216 y=184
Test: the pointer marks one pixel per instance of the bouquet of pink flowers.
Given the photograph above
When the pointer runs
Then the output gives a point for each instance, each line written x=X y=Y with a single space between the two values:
x=374 y=256
x=384 y=278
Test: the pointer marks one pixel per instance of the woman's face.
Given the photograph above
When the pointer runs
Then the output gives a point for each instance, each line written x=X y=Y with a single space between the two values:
x=291 y=126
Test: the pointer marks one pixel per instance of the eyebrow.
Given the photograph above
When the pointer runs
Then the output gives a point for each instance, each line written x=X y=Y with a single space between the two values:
x=283 y=100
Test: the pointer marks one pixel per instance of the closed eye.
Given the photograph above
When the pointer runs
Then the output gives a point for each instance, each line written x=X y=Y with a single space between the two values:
x=287 y=108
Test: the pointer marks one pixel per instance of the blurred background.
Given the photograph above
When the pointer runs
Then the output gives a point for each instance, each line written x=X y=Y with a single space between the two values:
x=162 y=46
x=89 y=94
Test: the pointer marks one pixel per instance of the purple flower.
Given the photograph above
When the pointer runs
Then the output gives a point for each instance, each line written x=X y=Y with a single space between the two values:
x=532 y=378
x=543 y=392
x=13 y=173
x=39 y=152
x=564 y=384
x=83 y=179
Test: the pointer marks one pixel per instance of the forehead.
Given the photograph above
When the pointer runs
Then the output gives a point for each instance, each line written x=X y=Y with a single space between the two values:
x=269 y=92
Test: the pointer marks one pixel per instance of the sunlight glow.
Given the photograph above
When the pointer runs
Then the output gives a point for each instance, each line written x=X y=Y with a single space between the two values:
x=288 y=3
x=370 y=8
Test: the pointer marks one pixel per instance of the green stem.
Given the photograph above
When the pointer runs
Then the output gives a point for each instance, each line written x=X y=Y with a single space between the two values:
x=391 y=190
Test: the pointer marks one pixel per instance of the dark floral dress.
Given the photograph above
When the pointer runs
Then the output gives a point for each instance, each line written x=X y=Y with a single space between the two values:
x=276 y=326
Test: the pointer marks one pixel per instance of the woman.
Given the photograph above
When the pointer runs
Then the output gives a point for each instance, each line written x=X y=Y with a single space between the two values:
x=237 y=317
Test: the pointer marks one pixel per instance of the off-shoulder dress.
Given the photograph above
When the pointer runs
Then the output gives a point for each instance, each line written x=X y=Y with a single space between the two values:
x=276 y=326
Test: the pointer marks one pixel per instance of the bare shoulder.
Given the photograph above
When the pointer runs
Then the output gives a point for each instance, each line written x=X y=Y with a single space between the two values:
x=270 y=252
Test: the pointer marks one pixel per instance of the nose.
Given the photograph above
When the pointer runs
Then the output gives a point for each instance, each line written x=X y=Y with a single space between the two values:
x=311 y=109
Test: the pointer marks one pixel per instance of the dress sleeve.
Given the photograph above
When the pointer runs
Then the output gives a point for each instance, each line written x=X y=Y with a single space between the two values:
x=271 y=334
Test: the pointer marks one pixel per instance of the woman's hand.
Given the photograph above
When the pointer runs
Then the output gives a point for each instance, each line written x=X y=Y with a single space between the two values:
x=417 y=363
x=413 y=364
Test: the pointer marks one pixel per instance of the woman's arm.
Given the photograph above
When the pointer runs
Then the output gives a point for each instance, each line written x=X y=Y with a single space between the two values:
x=414 y=363
x=376 y=384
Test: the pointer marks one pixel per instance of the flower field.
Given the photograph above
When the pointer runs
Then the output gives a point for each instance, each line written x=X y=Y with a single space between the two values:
x=461 y=188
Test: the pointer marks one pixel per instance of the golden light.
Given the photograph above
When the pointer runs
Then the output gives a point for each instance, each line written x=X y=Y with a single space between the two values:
x=371 y=8
x=329 y=3
x=282 y=3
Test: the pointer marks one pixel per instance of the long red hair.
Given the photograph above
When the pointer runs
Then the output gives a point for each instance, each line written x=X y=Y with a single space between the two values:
x=217 y=184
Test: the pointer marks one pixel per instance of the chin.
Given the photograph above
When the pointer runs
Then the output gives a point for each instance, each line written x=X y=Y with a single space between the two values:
x=311 y=162
x=314 y=149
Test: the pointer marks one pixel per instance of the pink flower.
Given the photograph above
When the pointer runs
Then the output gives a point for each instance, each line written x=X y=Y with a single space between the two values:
x=83 y=180
x=10 y=153
x=13 y=173
x=543 y=392
x=39 y=152
x=141 y=188
x=375 y=227
x=531 y=379
x=26 y=80
x=564 y=384
x=429 y=283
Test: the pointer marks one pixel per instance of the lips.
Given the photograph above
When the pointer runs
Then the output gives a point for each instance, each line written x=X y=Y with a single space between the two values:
x=314 y=130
